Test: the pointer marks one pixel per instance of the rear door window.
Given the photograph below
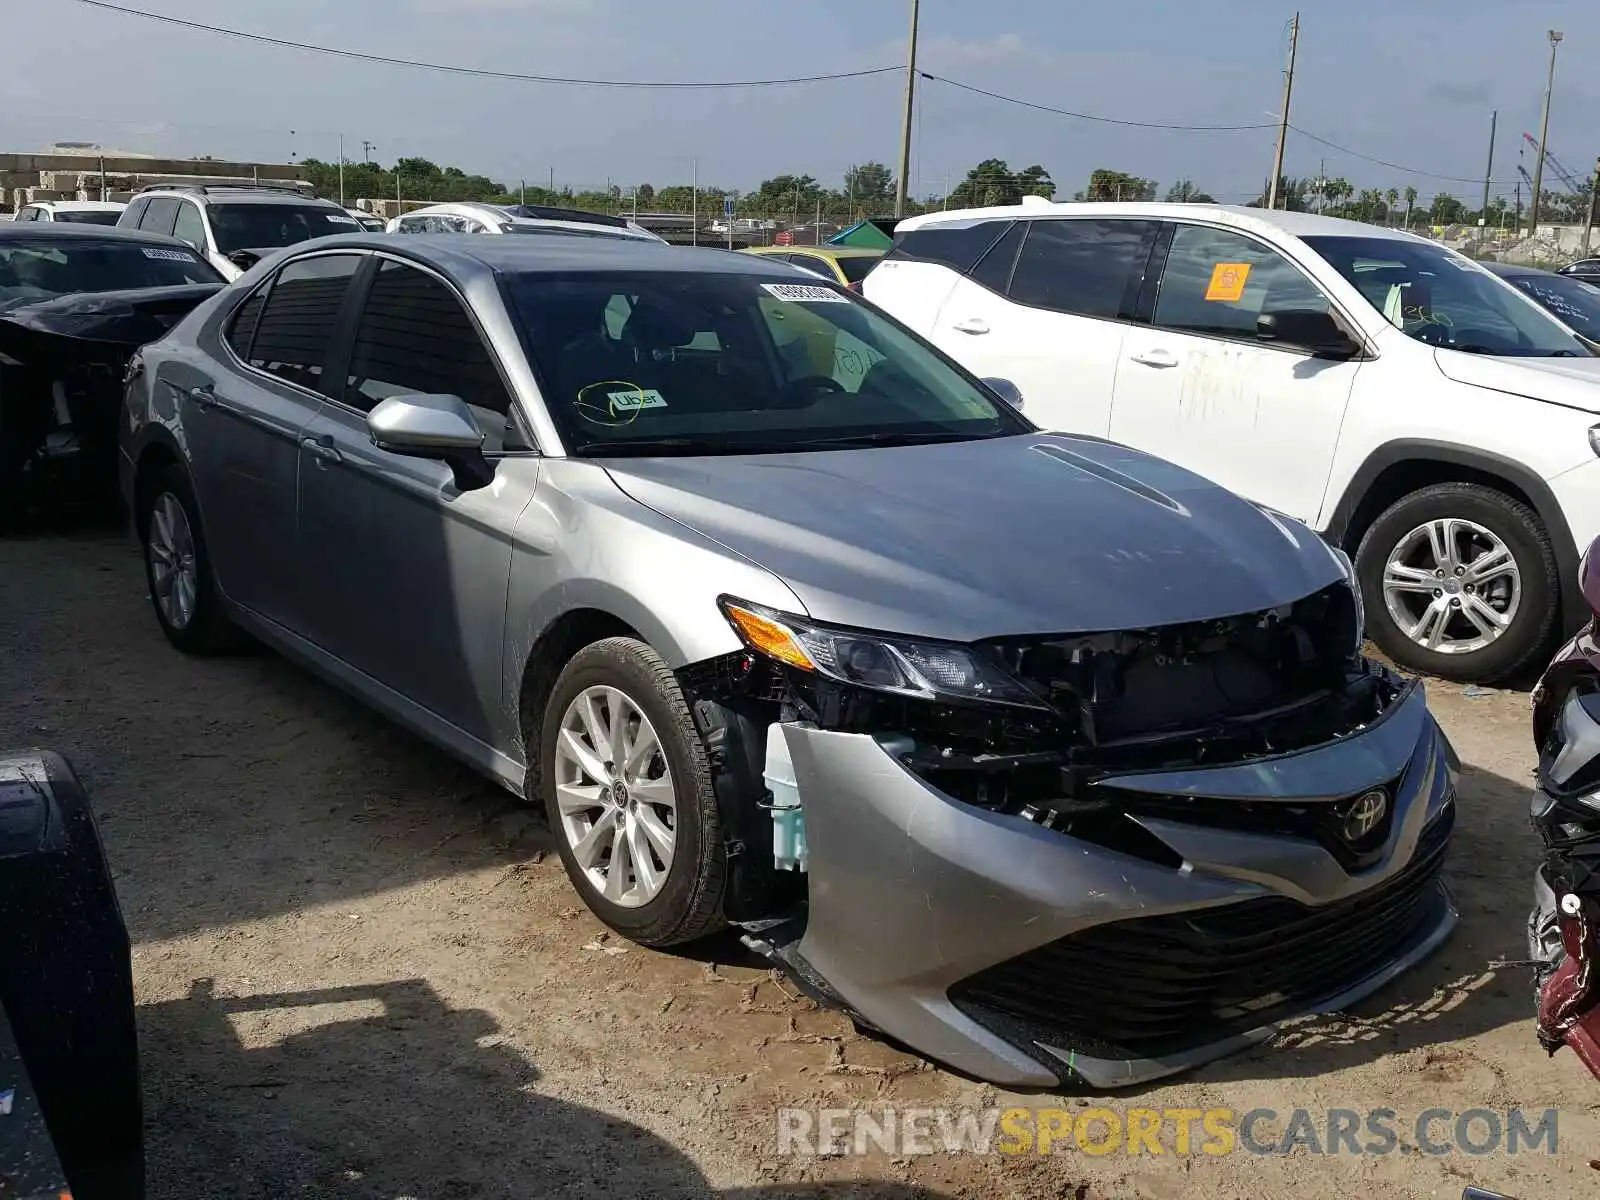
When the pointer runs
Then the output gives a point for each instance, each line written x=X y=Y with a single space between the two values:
x=296 y=327
x=158 y=218
x=190 y=227
x=956 y=247
x=1087 y=267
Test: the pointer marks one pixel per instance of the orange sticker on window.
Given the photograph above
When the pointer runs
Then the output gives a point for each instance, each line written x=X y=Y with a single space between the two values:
x=1227 y=282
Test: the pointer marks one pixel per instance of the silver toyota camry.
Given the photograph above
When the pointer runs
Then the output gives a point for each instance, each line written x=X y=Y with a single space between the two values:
x=1048 y=758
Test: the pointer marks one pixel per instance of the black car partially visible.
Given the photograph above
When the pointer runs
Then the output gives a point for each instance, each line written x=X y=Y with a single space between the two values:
x=75 y=302
x=1586 y=269
x=1568 y=298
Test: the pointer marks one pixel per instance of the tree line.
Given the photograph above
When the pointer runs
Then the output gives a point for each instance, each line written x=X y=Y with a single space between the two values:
x=868 y=190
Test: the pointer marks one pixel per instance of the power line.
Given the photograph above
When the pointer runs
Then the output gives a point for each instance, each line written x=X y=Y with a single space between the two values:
x=1385 y=163
x=481 y=72
x=1081 y=116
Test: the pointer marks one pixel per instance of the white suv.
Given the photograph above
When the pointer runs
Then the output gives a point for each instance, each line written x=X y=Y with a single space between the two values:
x=473 y=217
x=233 y=228
x=80 y=212
x=1392 y=394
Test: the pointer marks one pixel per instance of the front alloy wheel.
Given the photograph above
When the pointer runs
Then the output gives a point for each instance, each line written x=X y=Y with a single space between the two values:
x=614 y=790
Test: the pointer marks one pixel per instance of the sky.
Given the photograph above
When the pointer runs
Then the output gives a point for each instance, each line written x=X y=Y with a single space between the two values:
x=1413 y=86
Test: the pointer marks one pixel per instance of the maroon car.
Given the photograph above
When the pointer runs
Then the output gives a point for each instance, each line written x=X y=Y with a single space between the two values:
x=1566 y=814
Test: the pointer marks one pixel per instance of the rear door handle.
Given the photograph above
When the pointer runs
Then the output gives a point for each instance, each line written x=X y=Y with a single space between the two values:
x=322 y=448
x=972 y=325
x=1156 y=358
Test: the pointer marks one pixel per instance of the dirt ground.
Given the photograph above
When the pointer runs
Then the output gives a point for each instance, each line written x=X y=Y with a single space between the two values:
x=360 y=974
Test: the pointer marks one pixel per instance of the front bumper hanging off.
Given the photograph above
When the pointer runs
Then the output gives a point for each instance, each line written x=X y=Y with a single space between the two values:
x=1026 y=957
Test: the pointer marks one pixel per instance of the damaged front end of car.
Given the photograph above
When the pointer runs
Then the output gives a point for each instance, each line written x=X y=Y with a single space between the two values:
x=63 y=362
x=1083 y=860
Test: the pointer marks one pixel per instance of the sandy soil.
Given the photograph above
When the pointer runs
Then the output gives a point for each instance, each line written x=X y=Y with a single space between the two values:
x=360 y=974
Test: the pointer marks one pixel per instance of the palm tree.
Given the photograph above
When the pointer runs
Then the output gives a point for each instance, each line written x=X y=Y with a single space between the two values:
x=1393 y=196
x=1411 y=203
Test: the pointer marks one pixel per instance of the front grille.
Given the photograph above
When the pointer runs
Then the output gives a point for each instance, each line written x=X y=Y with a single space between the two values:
x=1153 y=986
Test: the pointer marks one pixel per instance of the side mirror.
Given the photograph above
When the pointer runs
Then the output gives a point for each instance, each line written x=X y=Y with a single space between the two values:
x=244 y=259
x=440 y=427
x=1309 y=329
x=1006 y=390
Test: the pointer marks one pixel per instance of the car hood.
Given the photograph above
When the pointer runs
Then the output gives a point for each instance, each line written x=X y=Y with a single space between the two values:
x=128 y=318
x=1040 y=533
x=1573 y=382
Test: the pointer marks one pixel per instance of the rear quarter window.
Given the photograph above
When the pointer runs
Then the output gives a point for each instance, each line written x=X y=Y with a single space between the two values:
x=958 y=247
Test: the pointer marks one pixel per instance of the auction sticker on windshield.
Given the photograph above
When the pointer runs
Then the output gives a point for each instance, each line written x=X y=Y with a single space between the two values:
x=1227 y=282
x=800 y=293
x=173 y=255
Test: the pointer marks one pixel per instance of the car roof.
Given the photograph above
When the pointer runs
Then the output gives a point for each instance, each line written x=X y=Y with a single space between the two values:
x=248 y=196
x=66 y=232
x=552 y=255
x=1269 y=222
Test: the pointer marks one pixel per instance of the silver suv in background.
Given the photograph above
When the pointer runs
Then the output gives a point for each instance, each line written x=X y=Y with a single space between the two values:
x=701 y=554
x=234 y=227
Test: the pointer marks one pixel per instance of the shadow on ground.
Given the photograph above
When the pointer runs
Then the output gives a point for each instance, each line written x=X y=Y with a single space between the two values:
x=373 y=1093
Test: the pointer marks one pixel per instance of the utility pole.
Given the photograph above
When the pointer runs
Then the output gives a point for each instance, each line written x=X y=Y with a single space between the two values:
x=1283 y=120
x=552 y=182
x=341 y=170
x=366 y=150
x=1544 y=134
x=1488 y=172
x=1588 y=214
x=694 y=201
x=522 y=190
x=911 y=104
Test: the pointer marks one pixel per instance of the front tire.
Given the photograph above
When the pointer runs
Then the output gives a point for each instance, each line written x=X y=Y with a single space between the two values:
x=1460 y=582
x=627 y=788
x=178 y=568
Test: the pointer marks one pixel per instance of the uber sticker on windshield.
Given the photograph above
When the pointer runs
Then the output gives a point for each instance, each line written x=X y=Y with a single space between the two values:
x=1227 y=282
x=803 y=293
x=174 y=255
x=635 y=400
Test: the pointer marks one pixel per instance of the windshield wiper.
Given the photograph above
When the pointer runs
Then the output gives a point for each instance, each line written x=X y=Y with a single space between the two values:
x=886 y=437
x=606 y=448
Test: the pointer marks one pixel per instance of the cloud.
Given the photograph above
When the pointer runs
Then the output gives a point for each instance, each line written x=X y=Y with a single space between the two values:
x=1464 y=91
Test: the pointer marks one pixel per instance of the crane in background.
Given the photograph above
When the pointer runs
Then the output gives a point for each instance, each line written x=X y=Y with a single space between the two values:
x=1576 y=185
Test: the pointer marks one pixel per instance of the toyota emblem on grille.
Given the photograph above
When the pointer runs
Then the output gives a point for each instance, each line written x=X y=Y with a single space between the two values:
x=1366 y=814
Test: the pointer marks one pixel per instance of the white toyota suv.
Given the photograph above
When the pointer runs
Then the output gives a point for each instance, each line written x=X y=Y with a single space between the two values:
x=1392 y=394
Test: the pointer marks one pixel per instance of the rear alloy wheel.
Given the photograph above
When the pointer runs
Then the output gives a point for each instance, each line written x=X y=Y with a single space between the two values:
x=1460 y=582
x=627 y=788
x=178 y=569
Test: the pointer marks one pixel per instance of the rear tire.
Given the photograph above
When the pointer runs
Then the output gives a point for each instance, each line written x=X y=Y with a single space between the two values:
x=1398 y=567
x=607 y=795
x=177 y=567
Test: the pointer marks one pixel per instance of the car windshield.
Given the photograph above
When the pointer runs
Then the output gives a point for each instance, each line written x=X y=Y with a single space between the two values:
x=855 y=269
x=1446 y=300
x=1574 y=303
x=91 y=216
x=681 y=362
x=31 y=270
x=263 y=226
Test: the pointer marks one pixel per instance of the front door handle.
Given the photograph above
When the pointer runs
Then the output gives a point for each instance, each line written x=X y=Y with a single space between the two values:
x=322 y=448
x=204 y=396
x=1156 y=358
x=972 y=325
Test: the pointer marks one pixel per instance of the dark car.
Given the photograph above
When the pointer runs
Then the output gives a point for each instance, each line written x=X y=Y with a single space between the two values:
x=1567 y=298
x=1587 y=269
x=75 y=302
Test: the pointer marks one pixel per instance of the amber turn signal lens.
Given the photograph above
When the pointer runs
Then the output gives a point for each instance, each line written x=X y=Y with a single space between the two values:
x=769 y=637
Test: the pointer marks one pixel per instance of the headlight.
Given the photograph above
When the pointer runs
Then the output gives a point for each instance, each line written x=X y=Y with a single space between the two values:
x=1349 y=569
x=927 y=670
